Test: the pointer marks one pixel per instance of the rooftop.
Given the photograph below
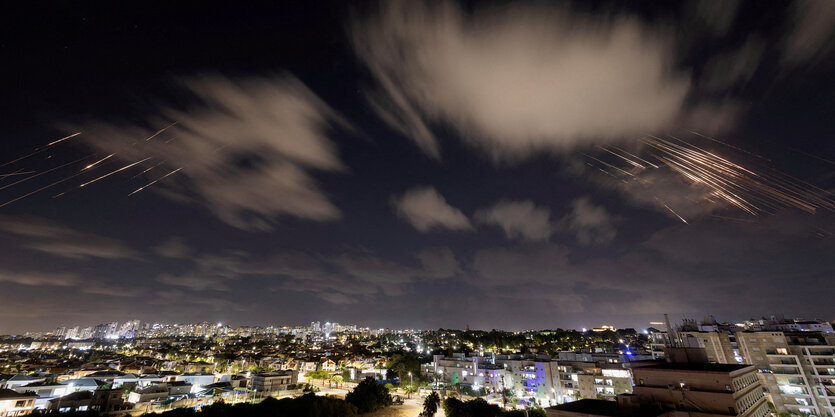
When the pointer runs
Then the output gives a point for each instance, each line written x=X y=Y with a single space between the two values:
x=587 y=406
x=6 y=394
x=696 y=367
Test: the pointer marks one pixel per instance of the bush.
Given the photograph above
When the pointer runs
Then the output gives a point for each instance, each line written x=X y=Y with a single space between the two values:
x=308 y=405
x=369 y=396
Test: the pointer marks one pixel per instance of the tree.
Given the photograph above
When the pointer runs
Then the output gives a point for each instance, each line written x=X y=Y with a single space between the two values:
x=431 y=404
x=337 y=379
x=453 y=407
x=369 y=396
x=478 y=407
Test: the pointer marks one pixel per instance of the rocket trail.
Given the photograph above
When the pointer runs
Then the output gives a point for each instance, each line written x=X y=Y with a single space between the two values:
x=675 y=214
x=160 y=131
x=154 y=181
x=18 y=172
x=45 y=172
x=97 y=162
x=752 y=191
x=113 y=172
x=41 y=149
x=41 y=189
x=147 y=169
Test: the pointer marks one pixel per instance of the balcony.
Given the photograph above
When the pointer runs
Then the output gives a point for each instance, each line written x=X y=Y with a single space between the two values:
x=786 y=371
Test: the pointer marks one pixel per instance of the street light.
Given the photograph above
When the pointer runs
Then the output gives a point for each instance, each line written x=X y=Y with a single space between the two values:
x=410 y=385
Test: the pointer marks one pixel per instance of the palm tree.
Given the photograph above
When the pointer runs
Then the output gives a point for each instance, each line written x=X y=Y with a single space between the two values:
x=430 y=405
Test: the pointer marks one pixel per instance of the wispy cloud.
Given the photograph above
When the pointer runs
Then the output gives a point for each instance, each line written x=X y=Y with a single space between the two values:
x=59 y=240
x=39 y=278
x=519 y=219
x=518 y=79
x=174 y=247
x=591 y=223
x=426 y=209
x=247 y=152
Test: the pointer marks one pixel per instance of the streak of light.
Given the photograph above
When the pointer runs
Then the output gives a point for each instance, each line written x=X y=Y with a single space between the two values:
x=160 y=131
x=631 y=162
x=45 y=172
x=18 y=172
x=147 y=169
x=113 y=172
x=736 y=219
x=98 y=162
x=41 y=149
x=728 y=145
x=608 y=165
x=751 y=190
x=637 y=157
x=154 y=182
x=674 y=212
x=828 y=161
x=40 y=189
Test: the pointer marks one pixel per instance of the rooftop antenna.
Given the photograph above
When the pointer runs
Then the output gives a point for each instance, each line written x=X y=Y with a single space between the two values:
x=671 y=332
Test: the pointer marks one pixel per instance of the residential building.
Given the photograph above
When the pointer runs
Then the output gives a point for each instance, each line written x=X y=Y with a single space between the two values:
x=273 y=381
x=532 y=378
x=13 y=403
x=691 y=388
x=798 y=369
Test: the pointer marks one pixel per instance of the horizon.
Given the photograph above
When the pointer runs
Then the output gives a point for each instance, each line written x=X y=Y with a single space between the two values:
x=425 y=164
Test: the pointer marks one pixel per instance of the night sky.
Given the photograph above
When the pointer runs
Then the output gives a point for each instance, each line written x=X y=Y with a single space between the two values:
x=415 y=164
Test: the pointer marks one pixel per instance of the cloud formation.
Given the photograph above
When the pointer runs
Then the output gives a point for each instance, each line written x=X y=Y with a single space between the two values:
x=39 y=278
x=246 y=152
x=812 y=31
x=426 y=209
x=58 y=240
x=519 y=219
x=174 y=247
x=561 y=79
x=591 y=223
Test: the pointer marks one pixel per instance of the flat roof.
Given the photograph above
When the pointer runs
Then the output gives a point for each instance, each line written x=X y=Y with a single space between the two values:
x=588 y=406
x=696 y=367
x=7 y=393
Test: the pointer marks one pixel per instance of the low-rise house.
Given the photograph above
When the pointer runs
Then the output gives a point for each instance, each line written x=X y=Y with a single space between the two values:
x=76 y=401
x=20 y=380
x=274 y=381
x=13 y=403
x=197 y=380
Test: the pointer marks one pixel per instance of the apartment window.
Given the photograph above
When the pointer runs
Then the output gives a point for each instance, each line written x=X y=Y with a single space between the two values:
x=20 y=403
x=782 y=351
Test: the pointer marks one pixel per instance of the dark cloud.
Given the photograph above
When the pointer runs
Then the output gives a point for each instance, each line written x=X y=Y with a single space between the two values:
x=519 y=219
x=812 y=32
x=55 y=239
x=174 y=247
x=439 y=262
x=39 y=278
x=591 y=223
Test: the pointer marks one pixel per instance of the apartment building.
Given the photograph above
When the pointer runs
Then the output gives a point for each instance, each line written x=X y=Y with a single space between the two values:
x=533 y=378
x=579 y=380
x=797 y=369
x=680 y=389
x=795 y=361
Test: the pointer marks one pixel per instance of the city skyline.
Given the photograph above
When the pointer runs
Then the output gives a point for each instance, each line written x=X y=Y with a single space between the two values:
x=507 y=165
